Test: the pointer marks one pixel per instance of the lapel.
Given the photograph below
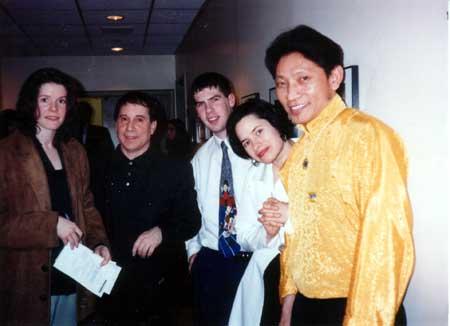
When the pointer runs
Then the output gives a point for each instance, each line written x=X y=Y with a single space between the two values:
x=32 y=166
x=259 y=183
x=70 y=166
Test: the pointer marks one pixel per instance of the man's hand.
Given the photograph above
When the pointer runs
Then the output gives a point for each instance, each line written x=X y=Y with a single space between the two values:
x=191 y=262
x=286 y=310
x=68 y=232
x=147 y=242
x=103 y=252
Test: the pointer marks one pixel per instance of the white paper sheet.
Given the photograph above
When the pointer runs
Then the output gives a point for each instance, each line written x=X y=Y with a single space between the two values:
x=83 y=265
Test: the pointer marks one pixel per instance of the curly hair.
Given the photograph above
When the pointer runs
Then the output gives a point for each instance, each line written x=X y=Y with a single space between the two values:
x=27 y=102
x=275 y=115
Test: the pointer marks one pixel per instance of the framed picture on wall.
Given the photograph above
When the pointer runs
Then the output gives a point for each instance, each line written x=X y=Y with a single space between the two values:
x=351 y=86
x=272 y=95
x=249 y=96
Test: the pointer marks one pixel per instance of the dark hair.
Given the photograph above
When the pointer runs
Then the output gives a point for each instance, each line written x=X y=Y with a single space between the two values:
x=275 y=115
x=310 y=43
x=138 y=98
x=212 y=79
x=27 y=102
x=181 y=145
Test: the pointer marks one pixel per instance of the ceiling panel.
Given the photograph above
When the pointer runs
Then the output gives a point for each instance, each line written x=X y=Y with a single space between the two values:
x=40 y=4
x=130 y=16
x=80 y=27
x=178 y=4
x=9 y=29
x=173 y=16
x=46 y=17
x=54 y=29
x=117 y=30
x=114 y=4
x=168 y=28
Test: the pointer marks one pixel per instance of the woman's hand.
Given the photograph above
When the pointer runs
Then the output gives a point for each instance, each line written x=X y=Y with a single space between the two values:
x=274 y=215
x=103 y=252
x=68 y=232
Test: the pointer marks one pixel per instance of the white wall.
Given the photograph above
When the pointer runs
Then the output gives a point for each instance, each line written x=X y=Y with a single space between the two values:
x=106 y=73
x=401 y=49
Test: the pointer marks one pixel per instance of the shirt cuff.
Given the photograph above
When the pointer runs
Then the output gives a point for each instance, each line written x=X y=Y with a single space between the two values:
x=192 y=246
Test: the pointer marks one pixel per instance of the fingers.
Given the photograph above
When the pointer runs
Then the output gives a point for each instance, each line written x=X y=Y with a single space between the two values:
x=68 y=232
x=271 y=203
x=103 y=251
x=78 y=231
x=136 y=246
x=73 y=239
x=106 y=256
x=143 y=247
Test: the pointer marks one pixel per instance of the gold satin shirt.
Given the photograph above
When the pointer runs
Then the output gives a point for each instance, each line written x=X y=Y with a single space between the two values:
x=351 y=215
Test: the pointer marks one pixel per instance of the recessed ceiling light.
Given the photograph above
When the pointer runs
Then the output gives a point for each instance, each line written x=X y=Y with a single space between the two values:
x=114 y=17
x=116 y=49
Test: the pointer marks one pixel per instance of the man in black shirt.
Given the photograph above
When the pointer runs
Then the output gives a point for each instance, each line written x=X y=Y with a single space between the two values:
x=151 y=209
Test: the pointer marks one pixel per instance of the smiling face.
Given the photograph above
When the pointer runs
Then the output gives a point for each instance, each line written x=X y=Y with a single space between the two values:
x=134 y=129
x=303 y=88
x=261 y=140
x=51 y=106
x=213 y=109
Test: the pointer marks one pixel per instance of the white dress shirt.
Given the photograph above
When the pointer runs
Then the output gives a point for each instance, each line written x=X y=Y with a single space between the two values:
x=252 y=186
x=249 y=300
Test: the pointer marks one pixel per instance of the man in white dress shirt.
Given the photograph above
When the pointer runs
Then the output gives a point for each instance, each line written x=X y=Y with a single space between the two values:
x=215 y=275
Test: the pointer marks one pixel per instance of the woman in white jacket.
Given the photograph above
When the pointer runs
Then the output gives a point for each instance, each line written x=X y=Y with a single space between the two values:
x=259 y=131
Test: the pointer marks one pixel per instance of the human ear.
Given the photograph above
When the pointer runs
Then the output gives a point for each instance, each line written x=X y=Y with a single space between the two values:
x=231 y=100
x=153 y=125
x=336 y=77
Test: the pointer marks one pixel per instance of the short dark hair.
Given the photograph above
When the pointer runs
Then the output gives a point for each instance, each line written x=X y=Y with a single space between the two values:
x=27 y=102
x=310 y=43
x=138 y=98
x=212 y=79
x=275 y=115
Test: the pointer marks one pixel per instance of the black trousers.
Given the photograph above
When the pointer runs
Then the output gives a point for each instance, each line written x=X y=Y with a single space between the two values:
x=272 y=309
x=215 y=281
x=328 y=312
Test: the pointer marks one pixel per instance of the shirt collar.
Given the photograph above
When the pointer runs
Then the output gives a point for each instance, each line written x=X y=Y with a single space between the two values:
x=218 y=141
x=331 y=110
x=137 y=160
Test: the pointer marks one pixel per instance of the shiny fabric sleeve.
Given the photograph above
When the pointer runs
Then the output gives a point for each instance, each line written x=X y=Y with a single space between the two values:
x=384 y=256
x=287 y=285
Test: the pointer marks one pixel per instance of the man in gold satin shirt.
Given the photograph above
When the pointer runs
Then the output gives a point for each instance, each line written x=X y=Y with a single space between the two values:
x=350 y=255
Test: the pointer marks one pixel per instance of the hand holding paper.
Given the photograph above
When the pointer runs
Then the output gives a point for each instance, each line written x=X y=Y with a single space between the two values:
x=84 y=266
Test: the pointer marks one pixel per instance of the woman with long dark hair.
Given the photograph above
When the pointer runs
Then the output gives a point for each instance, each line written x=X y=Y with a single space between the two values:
x=45 y=203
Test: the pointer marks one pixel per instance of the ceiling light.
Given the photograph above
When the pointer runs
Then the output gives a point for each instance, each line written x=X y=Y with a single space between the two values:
x=116 y=49
x=114 y=17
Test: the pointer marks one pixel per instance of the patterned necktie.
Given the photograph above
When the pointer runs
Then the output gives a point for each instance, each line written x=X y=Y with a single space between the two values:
x=227 y=209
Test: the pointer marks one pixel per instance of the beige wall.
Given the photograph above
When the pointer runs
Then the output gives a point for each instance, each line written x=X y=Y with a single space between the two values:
x=401 y=49
x=108 y=73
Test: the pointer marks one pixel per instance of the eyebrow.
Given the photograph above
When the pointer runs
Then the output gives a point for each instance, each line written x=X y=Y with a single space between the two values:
x=209 y=98
x=251 y=132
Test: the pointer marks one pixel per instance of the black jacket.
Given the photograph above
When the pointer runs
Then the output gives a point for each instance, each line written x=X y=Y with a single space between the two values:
x=150 y=191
